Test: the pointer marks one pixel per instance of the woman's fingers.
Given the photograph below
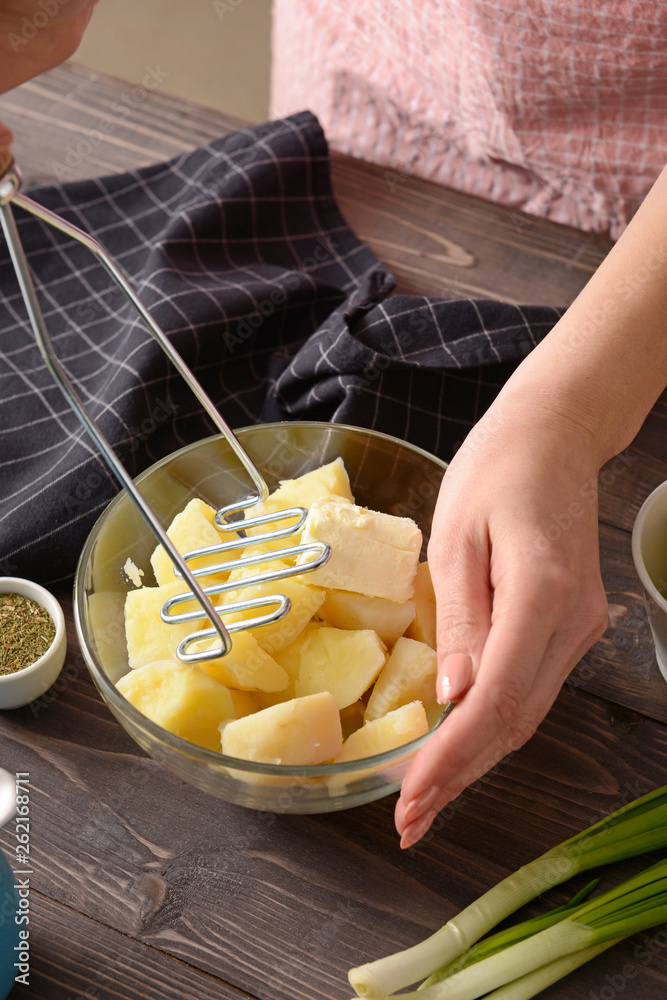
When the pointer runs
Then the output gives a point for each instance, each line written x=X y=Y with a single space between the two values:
x=532 y=645
x=460 y=572
x=494 y=716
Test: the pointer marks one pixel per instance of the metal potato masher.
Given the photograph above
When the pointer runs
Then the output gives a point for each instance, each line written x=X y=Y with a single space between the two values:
x=313 y=554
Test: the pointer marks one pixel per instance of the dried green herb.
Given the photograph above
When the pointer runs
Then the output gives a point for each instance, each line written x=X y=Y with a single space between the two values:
x=26 y=632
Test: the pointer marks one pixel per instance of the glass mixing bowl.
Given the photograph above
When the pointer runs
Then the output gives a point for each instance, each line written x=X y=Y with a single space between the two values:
x=385 y=473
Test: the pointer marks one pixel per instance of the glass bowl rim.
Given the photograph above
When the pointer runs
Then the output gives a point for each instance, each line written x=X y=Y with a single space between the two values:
x=111 y=694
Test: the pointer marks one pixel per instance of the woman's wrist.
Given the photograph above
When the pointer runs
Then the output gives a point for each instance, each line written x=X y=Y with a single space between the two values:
x=604 y=364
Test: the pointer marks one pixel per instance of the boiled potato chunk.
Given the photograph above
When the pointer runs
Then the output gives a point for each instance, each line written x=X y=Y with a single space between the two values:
x=372 y=553
x=401 y=726
x=408 y=675
x=244 y=702
x=193 y=528
x=352 y=717
x=290 y=657
x=306 y=601
x=328 y=480
x=302 y=731
x=290 y=660
x=341 y=662
x=343 y=609
x=423 y=628
x=148 y=637
x=255 y=569
x=181 y=698
x=246 y=666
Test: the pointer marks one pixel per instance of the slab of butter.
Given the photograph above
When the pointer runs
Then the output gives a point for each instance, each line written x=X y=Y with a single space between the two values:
x=371 y=553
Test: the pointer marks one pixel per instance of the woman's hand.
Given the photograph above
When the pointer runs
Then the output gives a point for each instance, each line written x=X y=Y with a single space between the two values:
x=514 y=546
x=515 y=566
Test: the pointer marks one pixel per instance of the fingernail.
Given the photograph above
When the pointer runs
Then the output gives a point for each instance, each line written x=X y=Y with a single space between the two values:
x=416 y=830
x=456 y=677
x=416 y=806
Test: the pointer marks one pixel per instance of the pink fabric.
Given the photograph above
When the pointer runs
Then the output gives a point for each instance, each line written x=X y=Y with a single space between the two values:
x=556 y=107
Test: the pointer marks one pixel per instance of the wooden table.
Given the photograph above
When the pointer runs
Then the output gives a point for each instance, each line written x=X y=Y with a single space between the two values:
x=142 y=887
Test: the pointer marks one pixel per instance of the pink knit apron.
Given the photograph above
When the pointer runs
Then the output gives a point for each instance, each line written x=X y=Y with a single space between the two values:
x=555 y=107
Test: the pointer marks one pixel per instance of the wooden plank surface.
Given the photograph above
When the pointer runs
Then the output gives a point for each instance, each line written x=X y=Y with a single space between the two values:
x=282 y=906
x=78 y=957
x=163 y=891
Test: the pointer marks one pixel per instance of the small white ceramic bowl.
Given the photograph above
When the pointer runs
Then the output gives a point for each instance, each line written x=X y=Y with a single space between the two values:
x=28 y=683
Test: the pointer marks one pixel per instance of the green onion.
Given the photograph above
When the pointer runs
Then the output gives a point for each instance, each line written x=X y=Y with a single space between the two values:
x=637 y=904
x=503 y=939
x=636 y=828
x=532 y=983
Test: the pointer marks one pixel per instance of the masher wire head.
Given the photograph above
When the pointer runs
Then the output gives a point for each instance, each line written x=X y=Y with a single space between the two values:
x=308 y=555
x=10 y=184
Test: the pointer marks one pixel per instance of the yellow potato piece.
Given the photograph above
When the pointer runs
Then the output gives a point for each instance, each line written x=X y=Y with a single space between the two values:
x=193 y=528
x=255 y=569
x=246 y=666
x=401 y=726
x=290 y=657
x=408 y=675
x=181 y=698
x=389 y=619
x=423 y=628
x=341 y=662
x=328 y=480
x=306 y=601
x=352 y=717
x=148 y=637
x=245 y=702
x=302 y=731
x=290 y=660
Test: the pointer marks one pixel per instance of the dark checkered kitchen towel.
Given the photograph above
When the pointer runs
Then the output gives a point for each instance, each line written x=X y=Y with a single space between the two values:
x=239 y=251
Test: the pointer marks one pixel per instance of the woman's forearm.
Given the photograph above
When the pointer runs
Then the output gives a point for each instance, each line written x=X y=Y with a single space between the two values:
x=605 y=362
